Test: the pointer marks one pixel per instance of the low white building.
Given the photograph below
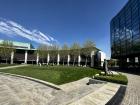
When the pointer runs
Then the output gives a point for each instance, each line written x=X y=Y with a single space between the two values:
x=101 y=56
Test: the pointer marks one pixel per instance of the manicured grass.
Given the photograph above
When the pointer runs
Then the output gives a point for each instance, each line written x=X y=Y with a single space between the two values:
x=121 y=79
x=55 y=74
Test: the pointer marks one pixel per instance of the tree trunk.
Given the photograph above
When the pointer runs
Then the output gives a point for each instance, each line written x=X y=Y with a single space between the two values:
x=53 y=62
x=67 y=62
x=86 y=62
x=42 y=60
x=47 y=61
x=63 y=62
x=74 y=62
x=6 y=61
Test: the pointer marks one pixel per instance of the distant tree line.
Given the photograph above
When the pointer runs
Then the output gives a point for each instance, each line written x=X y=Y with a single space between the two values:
x=6 y=48
x=74 y=51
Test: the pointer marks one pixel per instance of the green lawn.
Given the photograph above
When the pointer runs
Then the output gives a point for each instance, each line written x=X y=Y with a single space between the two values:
x=54 y=74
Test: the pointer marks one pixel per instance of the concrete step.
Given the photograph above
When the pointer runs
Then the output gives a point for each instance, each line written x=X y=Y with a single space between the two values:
x=99 y=97
x=74 y=91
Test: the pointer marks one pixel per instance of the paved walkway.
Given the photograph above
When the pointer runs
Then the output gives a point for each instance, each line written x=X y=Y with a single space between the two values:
x=99 y=97
x=132 y=95
x=9 y=67
x=20 y=91
x=75 y=90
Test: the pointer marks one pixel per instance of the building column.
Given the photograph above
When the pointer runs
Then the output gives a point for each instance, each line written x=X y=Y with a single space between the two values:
x=26 y=57
x=58 y=59
x=12 y=57
x=127 y=60
x=48 y=58
x=92 y=59
x=139 y=60
x=68 y=60
x=37 y=59
x=136 y=60
x=116 y=62
x=79 y=60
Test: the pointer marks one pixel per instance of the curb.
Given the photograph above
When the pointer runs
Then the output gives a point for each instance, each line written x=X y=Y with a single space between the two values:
x=118 y=97
x=15 y=66
x=34 y=79
x=102 y=96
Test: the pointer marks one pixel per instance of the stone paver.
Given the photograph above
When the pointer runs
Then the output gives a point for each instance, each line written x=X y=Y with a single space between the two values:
x=100 y=96
x=19 y=91
x=74 y=91
x=132 y=94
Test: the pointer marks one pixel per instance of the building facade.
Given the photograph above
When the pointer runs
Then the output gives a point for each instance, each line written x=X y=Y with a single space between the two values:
x=27 y=54
x=125 y=35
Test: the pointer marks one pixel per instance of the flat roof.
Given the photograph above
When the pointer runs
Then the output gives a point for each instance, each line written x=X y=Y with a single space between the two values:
x=19 y=45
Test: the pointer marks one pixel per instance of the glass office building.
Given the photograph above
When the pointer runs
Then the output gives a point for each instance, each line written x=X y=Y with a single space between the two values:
x=125 y=35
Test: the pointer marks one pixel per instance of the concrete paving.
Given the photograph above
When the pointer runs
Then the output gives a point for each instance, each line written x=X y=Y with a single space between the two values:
x=9 y=67
x=21 y=91
x=100 y=96
x=75 y=90
x=132 y=94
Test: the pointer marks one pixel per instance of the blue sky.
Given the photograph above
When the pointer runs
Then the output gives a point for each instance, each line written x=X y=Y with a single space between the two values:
x=67 y=21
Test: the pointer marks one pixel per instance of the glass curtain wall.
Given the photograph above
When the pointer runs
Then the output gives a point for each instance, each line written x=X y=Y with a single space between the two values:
x=125 y=32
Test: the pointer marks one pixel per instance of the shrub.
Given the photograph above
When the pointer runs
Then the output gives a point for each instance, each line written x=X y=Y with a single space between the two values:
x=121 y=79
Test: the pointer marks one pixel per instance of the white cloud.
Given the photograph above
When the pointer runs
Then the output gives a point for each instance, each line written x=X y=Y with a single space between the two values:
x=11 y=29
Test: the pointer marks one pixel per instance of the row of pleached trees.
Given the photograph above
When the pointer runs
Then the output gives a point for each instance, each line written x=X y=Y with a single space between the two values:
x=74 y=50
x=6 y=48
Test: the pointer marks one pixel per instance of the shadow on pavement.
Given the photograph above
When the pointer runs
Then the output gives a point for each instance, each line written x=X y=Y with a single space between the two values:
x=93 y=81
x=118 y=97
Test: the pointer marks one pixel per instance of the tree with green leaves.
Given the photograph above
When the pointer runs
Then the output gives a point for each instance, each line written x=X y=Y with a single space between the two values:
x=64 y=52
x=42 y=50
x=88 y=46
x=54 y=50
x=75 y=51
x=6 y=49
